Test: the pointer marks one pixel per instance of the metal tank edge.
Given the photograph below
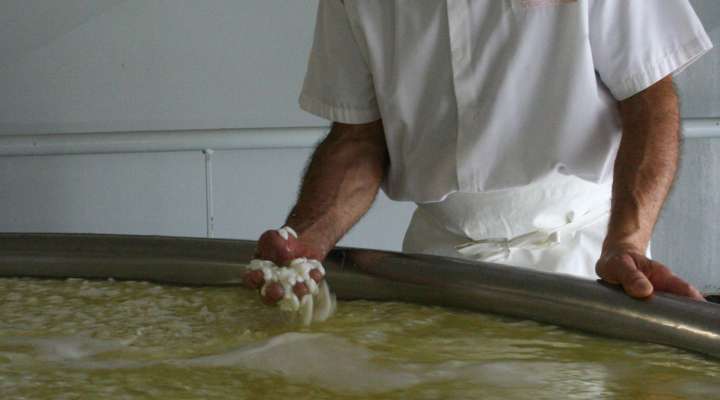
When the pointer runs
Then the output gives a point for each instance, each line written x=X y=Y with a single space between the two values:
x=367 y=274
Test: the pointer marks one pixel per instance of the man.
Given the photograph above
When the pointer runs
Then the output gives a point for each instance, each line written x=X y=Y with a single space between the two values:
x=534 y=133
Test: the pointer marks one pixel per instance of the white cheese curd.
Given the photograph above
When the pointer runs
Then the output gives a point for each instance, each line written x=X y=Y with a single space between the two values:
x=318 y=305
x=302 y=268
x=264 y=266
x=306 y=310
x=285 y=231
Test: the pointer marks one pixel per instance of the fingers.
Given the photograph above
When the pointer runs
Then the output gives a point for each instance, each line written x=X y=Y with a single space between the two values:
x=275 y=246
x=622 y=269
x=254 y=279
x=632 y=279
x=272 y=293
x=640 y=276
x=316 y=275
x=679 y=287
x=665 y=281
x=280 y=268
x=301 y=289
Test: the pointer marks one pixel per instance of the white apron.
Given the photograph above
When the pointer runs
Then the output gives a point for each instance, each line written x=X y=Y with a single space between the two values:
x=556 y=225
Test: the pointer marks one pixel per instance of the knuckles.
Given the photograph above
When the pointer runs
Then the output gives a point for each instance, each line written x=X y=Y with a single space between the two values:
x=316 y=275
x=254 y=279
x=274 y=292
x=301 y=289
x=281 y=251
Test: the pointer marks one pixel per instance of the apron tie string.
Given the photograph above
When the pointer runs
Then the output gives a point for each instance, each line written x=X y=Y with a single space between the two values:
x=498 y=249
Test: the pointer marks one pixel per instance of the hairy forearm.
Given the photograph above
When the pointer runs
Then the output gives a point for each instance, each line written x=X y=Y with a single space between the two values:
x=645 y=166
x=340 y=184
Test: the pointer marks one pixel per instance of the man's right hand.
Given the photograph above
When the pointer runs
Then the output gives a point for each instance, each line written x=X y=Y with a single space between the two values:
x=339 y=186
x=272 y=246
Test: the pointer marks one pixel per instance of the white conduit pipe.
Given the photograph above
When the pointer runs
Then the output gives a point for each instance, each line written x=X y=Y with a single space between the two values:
x=216 y=139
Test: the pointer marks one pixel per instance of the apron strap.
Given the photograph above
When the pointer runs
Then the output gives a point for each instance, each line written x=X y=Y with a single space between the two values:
x=497 y=249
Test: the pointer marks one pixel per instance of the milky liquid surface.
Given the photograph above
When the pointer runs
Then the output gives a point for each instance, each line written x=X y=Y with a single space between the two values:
x=132 y=340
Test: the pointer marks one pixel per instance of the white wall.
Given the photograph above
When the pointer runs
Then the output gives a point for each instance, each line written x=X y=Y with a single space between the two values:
x=127 y=65
x=222 y=68
x=687 y=236
x=228 y=194
x=142 y=66
x=147 y=193
x=700 y=86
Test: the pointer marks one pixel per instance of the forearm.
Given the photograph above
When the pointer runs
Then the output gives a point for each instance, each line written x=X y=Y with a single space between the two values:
x=340 y=184
x=645 y=166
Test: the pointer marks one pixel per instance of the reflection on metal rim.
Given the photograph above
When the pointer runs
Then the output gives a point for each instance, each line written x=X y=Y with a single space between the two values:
x=378 y=275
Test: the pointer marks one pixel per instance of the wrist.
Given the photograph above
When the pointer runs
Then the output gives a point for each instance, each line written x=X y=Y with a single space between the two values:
x=314 y=249
x=628 y=233
x=615 y=244
x=314 y=245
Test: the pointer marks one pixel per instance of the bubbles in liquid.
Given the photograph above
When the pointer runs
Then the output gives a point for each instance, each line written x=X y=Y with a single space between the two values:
x=83 y=339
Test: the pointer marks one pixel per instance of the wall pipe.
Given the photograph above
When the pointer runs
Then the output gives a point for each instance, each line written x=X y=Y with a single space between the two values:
x=216 y=139
x=382 y=276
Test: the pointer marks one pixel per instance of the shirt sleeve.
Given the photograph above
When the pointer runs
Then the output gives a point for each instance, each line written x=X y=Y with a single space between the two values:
x=636 y=43
x=338 y=84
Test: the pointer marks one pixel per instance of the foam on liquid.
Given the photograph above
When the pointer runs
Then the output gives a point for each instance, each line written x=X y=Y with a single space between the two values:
x=81 y=339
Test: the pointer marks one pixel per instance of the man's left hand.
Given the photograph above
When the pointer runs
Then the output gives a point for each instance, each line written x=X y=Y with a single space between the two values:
x=640 y=276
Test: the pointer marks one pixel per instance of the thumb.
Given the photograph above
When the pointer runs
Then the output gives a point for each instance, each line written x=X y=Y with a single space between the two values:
x=622 y=269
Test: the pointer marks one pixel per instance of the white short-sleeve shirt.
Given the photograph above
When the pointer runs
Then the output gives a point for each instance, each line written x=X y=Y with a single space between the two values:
x=479 y=95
